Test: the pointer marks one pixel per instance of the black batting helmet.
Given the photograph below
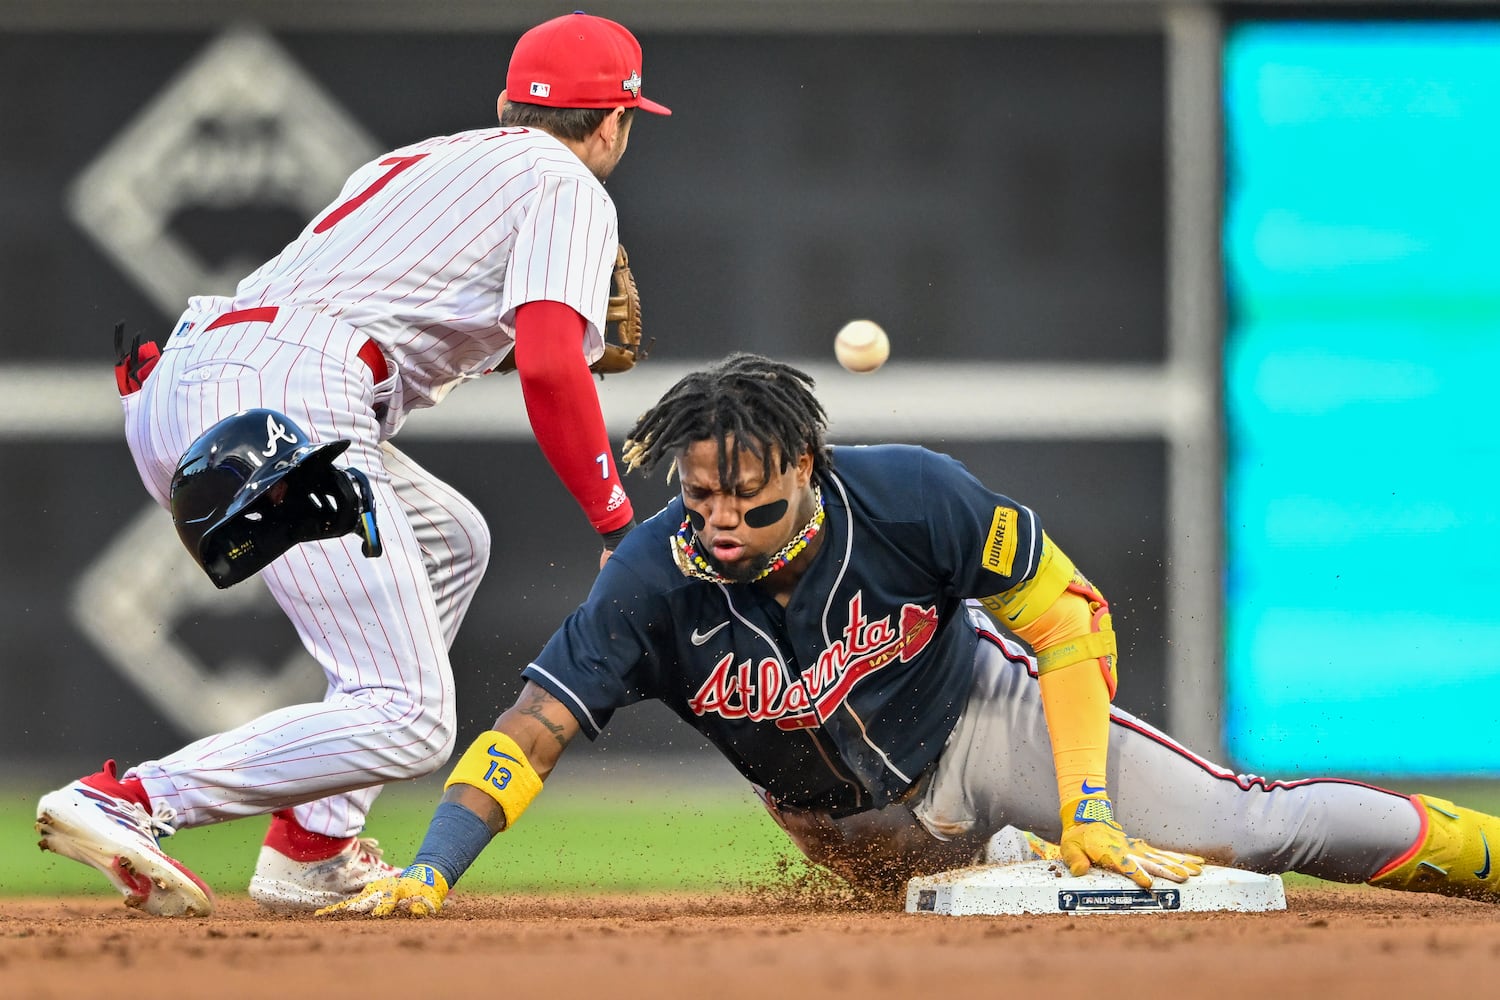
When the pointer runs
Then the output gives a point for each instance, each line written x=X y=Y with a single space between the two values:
x=252 y=486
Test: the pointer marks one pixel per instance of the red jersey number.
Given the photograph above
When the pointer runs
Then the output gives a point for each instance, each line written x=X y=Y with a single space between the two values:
x=396 y=163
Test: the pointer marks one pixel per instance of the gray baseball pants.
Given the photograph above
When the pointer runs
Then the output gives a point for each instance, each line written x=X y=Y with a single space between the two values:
x=997 y=771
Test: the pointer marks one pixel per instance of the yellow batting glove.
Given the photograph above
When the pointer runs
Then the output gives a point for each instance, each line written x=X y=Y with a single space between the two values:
x=418 y=892
x=1092 y=837
x=1171 y=865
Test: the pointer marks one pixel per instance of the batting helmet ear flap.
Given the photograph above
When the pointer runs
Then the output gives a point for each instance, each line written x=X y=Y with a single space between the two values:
x=369 y=531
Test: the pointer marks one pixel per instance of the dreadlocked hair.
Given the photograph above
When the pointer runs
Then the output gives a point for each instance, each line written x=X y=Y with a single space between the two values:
x=763 y=405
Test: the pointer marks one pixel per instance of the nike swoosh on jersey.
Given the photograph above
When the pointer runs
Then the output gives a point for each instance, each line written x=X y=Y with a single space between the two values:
x=699 y=638
x=1484 y=871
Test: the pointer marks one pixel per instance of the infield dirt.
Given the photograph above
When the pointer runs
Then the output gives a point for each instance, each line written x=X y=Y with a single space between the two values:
x=1328 y=943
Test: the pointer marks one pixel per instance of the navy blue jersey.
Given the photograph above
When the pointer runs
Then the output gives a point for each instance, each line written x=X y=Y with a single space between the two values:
x=841 y=699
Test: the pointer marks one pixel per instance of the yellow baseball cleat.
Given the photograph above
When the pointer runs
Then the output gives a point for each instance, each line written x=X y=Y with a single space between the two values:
x=1455 y=855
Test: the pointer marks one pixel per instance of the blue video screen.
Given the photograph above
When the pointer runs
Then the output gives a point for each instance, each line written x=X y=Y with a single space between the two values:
x=1361 y=241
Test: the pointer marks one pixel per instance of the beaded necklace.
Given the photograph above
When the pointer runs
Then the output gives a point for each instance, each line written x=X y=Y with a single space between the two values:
x=685 y=552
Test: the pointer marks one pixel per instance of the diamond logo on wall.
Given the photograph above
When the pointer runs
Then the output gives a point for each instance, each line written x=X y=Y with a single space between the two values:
x=241 y=133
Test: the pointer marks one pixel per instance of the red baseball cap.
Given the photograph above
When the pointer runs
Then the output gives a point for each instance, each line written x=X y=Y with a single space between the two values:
x=579 y=61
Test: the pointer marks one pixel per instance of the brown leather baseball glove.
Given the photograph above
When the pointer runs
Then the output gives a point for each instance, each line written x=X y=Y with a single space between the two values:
x=622 y=326
x=622 y=323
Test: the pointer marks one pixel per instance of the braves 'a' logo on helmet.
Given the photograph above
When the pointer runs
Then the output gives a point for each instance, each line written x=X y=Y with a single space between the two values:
x=276 y=431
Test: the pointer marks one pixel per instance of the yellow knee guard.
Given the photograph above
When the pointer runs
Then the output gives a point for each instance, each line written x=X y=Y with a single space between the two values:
x=1455 y=856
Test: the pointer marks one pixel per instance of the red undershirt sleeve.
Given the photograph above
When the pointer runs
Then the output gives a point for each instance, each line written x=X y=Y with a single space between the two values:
x=563 y=407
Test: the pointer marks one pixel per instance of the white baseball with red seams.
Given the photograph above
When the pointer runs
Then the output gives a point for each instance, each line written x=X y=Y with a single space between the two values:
x=861 y=345
x=427 y=251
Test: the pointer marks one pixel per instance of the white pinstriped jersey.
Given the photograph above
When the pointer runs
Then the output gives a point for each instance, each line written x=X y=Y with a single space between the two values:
x=429 y=250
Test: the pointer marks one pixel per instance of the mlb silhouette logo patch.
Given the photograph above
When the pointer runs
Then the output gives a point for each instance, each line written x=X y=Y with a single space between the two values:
x=541 y=90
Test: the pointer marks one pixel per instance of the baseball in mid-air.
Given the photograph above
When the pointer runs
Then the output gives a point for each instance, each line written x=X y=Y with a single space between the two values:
x=861 y=345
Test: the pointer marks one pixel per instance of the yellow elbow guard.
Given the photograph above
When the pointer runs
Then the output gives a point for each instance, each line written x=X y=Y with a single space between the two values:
x=1077 y=627
x=1063 y=616
x=1023 y=604
x=495 y=765
x=1094 y=646
x=1082 y=629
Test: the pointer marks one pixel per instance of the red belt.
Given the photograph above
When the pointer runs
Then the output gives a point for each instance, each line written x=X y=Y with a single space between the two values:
x=370 y=353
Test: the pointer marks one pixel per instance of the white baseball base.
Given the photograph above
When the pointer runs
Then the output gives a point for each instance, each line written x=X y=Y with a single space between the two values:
x=1046 y=887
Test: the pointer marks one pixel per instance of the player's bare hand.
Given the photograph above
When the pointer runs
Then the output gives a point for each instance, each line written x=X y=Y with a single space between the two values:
x=1092 y=838
x=417 y=892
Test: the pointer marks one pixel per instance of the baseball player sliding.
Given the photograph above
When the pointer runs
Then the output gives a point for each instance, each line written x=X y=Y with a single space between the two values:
x=436 y=263
x=827 y=618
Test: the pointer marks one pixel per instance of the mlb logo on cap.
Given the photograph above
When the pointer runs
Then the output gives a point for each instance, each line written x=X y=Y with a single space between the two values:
x=579 y=61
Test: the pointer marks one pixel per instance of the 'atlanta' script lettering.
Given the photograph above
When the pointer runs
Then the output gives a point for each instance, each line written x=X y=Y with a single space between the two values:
x=760 y=692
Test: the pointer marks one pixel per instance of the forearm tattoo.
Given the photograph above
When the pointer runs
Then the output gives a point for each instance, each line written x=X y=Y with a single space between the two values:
x=532 y=706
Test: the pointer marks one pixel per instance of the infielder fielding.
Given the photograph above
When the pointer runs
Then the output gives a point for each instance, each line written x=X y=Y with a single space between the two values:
x=437 y=262
x=827 y=618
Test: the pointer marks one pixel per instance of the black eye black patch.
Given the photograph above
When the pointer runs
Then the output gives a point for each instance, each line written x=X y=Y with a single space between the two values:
x=766 y=514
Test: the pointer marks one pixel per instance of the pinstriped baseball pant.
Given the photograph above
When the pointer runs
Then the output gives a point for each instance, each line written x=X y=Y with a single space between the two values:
x=380 y=628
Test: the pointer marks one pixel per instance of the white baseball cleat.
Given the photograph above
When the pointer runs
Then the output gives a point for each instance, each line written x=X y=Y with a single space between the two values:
x=285 y=885
x=119 y=838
